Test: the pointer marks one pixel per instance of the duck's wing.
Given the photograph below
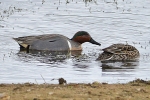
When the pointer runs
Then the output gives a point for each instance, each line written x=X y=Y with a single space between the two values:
x=51 y=44
x=26 y=41
x=119 y=48
x=105 y=56
x=113 y=48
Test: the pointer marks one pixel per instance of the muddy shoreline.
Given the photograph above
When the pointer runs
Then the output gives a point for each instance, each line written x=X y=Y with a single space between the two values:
x=135 y=90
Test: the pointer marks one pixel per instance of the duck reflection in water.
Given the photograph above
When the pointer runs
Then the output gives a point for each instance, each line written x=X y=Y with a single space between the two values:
x=48 y=56
x=117 y=66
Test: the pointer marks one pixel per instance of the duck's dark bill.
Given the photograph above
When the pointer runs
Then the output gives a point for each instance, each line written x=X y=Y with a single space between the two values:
x=94 y=42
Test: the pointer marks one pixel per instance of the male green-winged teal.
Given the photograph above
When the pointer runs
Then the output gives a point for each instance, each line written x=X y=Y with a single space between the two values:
x=55 y=42
x=119 y=52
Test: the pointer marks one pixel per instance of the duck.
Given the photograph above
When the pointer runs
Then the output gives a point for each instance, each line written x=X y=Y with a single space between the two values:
x=119 y=52
x=55 y=42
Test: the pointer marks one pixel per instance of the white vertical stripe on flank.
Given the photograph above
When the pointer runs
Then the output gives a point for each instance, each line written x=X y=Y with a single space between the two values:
x=69 y=44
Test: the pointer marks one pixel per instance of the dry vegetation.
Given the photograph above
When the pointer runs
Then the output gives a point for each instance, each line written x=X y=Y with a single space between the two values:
x=135 y=90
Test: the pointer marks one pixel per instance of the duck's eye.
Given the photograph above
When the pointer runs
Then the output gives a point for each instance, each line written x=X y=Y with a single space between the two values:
x=115 y=47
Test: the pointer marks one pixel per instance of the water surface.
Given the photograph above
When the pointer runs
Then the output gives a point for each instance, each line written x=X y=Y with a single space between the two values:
x=108 y=22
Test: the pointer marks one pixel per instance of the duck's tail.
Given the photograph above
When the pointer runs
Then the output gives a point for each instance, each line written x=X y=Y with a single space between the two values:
x=21 y=43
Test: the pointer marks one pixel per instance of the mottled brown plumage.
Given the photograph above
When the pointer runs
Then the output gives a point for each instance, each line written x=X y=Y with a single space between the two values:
x=119 y=52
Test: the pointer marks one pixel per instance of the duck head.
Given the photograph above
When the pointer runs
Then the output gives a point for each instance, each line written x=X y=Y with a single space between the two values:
x=83 y=36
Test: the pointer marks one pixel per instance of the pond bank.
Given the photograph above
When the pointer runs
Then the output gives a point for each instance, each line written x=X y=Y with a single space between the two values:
x=135 y=90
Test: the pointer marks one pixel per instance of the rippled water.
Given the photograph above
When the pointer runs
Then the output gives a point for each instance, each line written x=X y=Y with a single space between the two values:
x=108 y=22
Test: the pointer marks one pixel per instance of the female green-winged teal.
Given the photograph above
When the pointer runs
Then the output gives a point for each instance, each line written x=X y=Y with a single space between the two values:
x=119 y=52
x=55 y=42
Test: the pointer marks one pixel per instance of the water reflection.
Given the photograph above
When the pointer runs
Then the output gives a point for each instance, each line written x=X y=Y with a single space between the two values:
x=111 y=66
x=48 y=57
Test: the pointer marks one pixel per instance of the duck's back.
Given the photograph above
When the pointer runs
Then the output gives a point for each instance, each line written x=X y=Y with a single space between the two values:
x=51 y=42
